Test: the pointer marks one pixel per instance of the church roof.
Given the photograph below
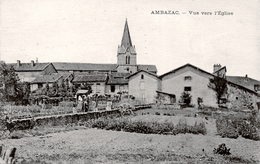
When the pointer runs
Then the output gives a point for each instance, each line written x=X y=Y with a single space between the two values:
x=126 y=39
x=60 y=66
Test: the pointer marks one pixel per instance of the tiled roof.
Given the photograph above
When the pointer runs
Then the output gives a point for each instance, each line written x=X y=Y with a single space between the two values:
x=118 y=74
x=47 y=78
x=243 y=81
x=29 y=67
x=90 y=78
x=84 y=66
x=117 y=81
x=151 y=68
x=99 y=67
x=186 y=65
x=143 y=71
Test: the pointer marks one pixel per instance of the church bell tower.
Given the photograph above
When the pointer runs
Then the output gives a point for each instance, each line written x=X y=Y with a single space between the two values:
x=126 y=54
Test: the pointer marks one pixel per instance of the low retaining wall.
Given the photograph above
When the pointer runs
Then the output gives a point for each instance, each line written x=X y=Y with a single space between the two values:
x=23 y=124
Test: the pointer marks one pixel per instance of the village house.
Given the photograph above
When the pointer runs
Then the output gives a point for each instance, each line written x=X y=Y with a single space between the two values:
x=143 y=86
x=41 y=81
x=27 y=72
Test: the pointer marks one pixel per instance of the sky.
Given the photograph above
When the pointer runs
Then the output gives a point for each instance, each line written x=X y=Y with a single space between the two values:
x=90 y=31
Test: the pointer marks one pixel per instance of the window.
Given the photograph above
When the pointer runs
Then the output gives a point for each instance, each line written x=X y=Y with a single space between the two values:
x=98 y=87
x=187 y=78
x=121 y=87
x=127 y=59
x=142 y=85
x=257 y=87
x=187 y=88
x=127 y=69
x=142 y=76
x=112 y=88
x=40 y=85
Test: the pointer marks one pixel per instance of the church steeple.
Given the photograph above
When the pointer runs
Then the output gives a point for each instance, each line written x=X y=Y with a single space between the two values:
x=126 y=54
x=126 y=39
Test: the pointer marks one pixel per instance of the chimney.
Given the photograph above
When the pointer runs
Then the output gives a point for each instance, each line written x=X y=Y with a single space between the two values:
x=32 y=63
x=36 y=60
x=216 y=67
x=18 y=63
x=246 y=75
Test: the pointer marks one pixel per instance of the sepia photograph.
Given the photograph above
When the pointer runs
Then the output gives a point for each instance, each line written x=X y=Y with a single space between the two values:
x=117 y=81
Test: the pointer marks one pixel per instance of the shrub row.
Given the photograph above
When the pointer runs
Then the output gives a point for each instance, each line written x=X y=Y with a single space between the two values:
x=232 y=128
x=139 y=126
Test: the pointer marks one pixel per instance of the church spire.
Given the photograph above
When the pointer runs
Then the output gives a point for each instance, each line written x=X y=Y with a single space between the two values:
x=126 y=39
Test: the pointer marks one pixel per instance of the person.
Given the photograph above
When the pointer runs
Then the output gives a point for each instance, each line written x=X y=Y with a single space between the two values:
x=79 y=106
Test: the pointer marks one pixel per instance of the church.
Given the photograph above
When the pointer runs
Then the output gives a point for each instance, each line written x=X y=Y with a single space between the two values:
x=104 y=78
x=138 y=80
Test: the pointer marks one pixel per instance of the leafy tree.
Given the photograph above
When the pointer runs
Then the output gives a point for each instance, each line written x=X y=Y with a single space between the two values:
x=219 y=85
x=10 y=82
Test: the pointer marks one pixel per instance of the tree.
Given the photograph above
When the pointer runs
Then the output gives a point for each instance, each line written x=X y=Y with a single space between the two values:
x=219 y=85
x=10 y=82
x=186 y=98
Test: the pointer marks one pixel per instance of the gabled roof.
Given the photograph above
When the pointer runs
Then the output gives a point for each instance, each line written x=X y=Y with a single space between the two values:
x=151 y=68
x=186 y=65
x=90 y=78
x=47 y=78
x=201 y=70
x=150 y=73
x=117 y=81
x=29 y=67
x=126 y=39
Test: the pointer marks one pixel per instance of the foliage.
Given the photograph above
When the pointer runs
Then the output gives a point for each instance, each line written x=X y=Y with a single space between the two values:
x=233 y=127
x=222 y=150
x=139 y=126
x=13 y=90
x=219 y=85
x=186 y=98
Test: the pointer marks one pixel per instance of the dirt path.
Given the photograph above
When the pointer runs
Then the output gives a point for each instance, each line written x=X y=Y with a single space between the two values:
x=100 y=146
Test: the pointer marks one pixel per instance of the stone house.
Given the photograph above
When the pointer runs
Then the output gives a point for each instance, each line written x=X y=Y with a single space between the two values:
x=195 y=81
x=246 y=82
x=41 y=81
x=27 y=72
x=143 y=86
x=97 y=82
x=190 y=79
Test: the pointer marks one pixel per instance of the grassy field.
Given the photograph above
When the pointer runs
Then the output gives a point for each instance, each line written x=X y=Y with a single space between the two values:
x=79 y=144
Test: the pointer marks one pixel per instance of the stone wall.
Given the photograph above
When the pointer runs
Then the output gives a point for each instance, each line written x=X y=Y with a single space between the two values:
x=23 y=124
x=238 y=98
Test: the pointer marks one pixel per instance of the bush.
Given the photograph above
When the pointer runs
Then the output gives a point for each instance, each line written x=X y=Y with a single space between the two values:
x=139 y=126
x=222 y=149
x=157 y=113
x=225 y=128
x=233 y=127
